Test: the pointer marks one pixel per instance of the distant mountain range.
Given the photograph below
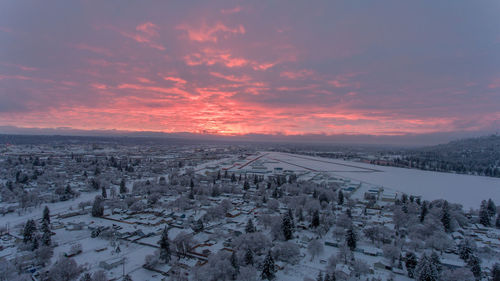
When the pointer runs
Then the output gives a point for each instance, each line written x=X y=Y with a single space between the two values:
x=397 y=139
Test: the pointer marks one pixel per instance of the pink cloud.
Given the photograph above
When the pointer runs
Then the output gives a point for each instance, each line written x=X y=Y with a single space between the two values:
x=210 y=33
x=145 y=33
x=231 y=78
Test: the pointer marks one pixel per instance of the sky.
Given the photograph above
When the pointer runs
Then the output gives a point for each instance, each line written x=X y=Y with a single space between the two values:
x=381 y=68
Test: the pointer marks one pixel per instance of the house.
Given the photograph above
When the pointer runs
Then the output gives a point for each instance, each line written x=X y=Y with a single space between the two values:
x=342 y=271
x=110 y=264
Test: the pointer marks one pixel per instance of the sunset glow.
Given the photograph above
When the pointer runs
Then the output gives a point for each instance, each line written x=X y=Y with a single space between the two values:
x=235 y=68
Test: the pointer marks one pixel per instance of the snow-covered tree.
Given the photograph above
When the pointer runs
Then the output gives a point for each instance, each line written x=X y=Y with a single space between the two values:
x=268 y=268
x=46 y=215
x=315 y=219
x=351 y=238
x=445 y=217
x=235 y=264
x=315 y=248
x=426 y=270
x=123 y=187
x=64 y=269
x=250 y=228
x=97 y=207
x=340 y=198
x=86 y=277
x=29 y=231
x=249 y=257
x=492 y=208
x=423 y=211
x=46 y=234
x=411 y=263
x=104 y=194
x=495 y=272
x=474 y=263
x=484 y=215
x=165 y=252
x=287 y=227
x=466 y=248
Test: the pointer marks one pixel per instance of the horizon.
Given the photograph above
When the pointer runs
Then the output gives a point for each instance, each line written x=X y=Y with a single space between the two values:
x=406 y=73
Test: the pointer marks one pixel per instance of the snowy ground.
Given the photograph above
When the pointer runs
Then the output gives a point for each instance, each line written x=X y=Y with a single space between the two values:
x=464 y=189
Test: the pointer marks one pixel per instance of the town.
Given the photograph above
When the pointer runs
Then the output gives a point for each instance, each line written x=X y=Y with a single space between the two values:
x=108 y=211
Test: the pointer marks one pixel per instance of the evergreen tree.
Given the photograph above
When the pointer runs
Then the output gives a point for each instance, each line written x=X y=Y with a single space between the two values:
x=46 y=234
x=426 y=270
x=484 y=215
x=191 y=183
x=286 y=227
x=320 y=276
x=34 y=243
x=411 y=263
x=492 y=208
x=423 y=211
x=86 y=277
x=249 y=257
x=165 y=253
x=466 y=249
x=436 y=261
x=495 y=272
x=474 y=263
x=46 y=215
x=97 y=207
x=233 y=178
x=199 y=226
x=315 y=219
x=29 y=231
x=268 y=268
x=104 y=194
x=497 y=223
x=349 y=213
x=123 y=187
x=340 y=197
x=68 y=190
x=250 y=228
x=290 y=215
x=351 y=238
x=327 y=277
x=191 y=193
x=234 y=263
x=246 y=185
x=127 y=278
x=445 y=217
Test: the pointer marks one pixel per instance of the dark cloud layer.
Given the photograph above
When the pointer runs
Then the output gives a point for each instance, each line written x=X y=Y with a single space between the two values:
x=230 y=67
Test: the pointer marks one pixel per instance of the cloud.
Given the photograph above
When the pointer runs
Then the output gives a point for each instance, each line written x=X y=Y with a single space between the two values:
x=234 y=10
x=210 y=33
x=93 y=49
x=209 y=56
x=145 y=33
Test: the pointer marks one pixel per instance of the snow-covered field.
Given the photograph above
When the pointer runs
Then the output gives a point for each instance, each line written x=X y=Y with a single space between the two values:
x=464 y=189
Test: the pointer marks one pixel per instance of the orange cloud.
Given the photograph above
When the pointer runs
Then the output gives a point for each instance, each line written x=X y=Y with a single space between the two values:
x=211 y=56
x=231 y=78
x=177 y=80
